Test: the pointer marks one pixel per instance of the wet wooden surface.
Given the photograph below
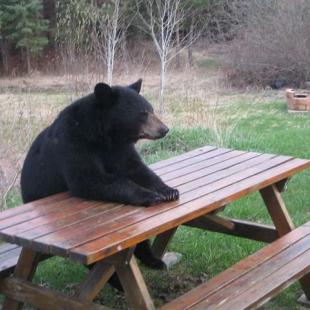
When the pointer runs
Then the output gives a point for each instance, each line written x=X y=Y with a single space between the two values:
x=87 y=231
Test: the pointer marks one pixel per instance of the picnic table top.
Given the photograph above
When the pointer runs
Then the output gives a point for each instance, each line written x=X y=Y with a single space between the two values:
x=87 y=231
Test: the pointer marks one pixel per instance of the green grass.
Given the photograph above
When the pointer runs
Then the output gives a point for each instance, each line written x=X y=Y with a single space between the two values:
x=260 y=127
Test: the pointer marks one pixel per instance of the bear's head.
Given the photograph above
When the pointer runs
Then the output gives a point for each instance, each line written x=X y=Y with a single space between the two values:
x=129 y=115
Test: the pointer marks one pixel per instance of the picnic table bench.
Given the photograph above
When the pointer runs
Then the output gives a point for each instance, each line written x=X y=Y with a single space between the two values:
x=104 y=235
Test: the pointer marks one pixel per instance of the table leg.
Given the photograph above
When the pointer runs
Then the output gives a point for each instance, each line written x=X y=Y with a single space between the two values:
x=95 y=280
x=25 y=269
x=161 y=242
x=160 y=245
x=277 y=209
x=282 y=221
x=134 y=286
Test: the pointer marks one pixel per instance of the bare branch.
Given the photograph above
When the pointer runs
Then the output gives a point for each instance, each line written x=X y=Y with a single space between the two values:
x=161 y=19
x=108 y=31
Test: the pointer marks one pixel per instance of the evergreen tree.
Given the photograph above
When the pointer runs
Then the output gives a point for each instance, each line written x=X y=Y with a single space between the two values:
x=25 y=26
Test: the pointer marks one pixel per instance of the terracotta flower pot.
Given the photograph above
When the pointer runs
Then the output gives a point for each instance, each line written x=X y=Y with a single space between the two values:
x=297 y=102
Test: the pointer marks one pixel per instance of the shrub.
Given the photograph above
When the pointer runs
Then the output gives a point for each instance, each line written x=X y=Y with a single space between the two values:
x=274 y=45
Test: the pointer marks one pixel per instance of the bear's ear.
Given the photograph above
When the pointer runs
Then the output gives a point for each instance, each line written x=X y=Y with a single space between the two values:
x=136 y=86
x=103 y=92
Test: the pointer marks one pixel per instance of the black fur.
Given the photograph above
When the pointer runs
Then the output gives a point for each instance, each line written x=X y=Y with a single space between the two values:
x=89 y=150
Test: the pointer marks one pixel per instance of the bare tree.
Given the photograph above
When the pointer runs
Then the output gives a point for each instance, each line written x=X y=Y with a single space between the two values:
x=110 y=25
x=161 y=19
x=273 y=47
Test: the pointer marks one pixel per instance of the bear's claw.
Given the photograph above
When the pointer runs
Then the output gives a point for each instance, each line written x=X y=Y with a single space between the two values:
x=170 y=194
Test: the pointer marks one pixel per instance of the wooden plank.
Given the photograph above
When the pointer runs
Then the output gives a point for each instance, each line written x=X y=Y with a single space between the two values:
x=19 y=229
x=220 y=221
x=174 y=173
x=72 y=236
x=40 y=203
x=95 y=280
x=277 y=210
x=36 y=212
x=253 y=181
x=5 y=247
x=282 y=220
x=8 y=233
x=209 y=188
x=194 y=175
x=244 y=229
x=255 y=276
x=57 y=225
x=71 y=219
x=25 y=269
x=77 y=233
x=217 y=175
x=14 y=252
x=42 y=298
x=182 y=157
x=55 y=221
x=263 y=290
x=194 y=160
x=237 y=271
x=134 y=286
x=8 y=261
x=55 y=216
x=9 y=267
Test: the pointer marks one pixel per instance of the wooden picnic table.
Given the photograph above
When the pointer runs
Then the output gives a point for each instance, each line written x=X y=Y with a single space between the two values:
x=105 y=234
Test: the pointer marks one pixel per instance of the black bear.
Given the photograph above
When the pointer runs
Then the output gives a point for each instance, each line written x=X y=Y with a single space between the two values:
x=89 y=150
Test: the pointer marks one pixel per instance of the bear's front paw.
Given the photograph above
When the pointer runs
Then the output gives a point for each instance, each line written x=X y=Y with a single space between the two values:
x=170 y=194
x=152 y=198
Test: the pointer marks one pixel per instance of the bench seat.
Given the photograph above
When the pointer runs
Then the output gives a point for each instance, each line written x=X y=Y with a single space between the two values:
x=9 y=254
x=254 y=280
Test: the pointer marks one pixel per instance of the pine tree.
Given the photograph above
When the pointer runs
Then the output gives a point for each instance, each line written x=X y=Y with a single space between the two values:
x=25 y=26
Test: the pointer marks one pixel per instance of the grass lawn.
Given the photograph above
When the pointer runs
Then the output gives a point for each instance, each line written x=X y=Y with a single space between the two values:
x=263 y=127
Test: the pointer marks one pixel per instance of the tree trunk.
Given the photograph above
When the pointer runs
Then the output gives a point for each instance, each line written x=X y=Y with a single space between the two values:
x=190 y=56
x=28 y=60
x=177 y=57
x=49 y=13
x=189 y=49
x=125 y=55
x=4 y=56
x=109 y=65
x=162 y=84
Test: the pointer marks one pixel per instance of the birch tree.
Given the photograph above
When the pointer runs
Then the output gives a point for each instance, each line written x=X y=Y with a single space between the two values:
x=109 y=29
x=161 y=19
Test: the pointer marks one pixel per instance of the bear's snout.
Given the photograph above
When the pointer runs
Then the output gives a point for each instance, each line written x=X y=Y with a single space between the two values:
x=153 y=128
x=163 y=130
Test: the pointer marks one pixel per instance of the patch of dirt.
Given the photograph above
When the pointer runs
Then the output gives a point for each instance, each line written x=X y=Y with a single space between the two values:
x=179 y=285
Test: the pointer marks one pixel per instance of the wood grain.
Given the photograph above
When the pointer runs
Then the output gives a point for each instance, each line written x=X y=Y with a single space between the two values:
x=43 y=298
x=277 y=209
x=25 y=269
x=240 y=228
x=99 y=274
x=134 y=286
x=246 y=272
x=72 y=237
x=207 y=179
x=190 y=154
x=253 y=180
x=40 y=203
